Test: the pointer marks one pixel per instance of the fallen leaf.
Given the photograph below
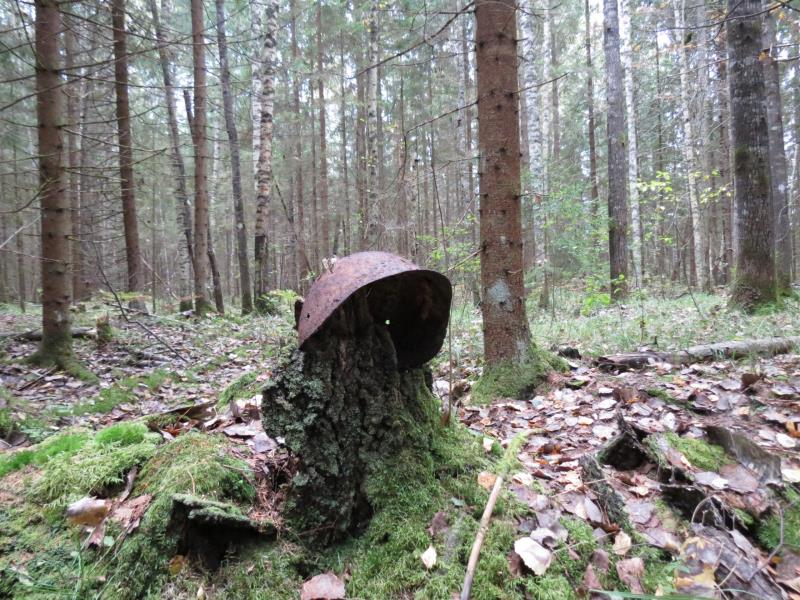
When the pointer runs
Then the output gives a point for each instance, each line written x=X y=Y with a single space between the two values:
x=622 y=544
x=486 y=480
x=429 y=557
x=790 y=473
x=522 y=478
x=323 y=587
x=88 y=511
x=536 y=557
x=785 y=441
x=488 y=444
x=629 y=571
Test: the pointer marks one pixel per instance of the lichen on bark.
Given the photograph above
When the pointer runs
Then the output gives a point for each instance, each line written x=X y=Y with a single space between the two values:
x=344 y=409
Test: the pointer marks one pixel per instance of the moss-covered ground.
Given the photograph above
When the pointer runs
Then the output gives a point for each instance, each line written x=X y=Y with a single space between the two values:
x=516 y=379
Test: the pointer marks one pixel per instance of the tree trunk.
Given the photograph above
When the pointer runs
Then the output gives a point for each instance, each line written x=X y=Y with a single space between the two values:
x=317 y=403
x=201 y=304
x=236 y=175
x=346 y=231
x=323 y=151
x=264 y=171
x=505 y=327
x=372 y=229
x=633 y=157
x=183 y=204
x=777 y=159
x=302 y=253
x=689 y=162
x=617 y=189
x=754 y=283
x=533 y=133
x=56 y=346
x=72 y=90
x=594 y=193
x=132 y=251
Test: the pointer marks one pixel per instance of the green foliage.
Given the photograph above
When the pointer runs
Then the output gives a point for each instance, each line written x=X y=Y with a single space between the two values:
x=515 y=380
x=65 y=445
x=702 y=454
x=596 y=296
x=277 y=302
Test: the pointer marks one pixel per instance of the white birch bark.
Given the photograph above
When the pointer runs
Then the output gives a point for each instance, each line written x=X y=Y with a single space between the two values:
x=687 y=149
x=626 y=54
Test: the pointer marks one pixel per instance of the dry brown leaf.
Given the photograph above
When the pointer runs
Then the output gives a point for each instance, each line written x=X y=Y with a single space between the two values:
x=88 y=511
x=323 y=587
x=622 y=544
x=535 y=556
x=629 y=571
x=486 y=480
x=428 y=557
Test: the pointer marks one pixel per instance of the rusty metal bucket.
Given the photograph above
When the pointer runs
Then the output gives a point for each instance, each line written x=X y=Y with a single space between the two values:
x=413 y=302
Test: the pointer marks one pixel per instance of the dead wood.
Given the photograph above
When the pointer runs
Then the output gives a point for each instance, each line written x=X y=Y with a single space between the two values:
x=703 y=352
x=35 y=335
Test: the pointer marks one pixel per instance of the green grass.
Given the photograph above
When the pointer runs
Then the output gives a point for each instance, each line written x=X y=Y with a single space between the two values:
x=671 y=324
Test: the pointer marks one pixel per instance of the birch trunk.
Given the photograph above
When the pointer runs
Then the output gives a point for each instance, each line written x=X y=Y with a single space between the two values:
x=264 y=171
x=370 y=216
x=688 y=151
x=626 y=54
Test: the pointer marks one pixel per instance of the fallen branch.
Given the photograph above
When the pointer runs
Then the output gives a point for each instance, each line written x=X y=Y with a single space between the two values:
x=740 y=349
x=35 y=335
x=482 y=529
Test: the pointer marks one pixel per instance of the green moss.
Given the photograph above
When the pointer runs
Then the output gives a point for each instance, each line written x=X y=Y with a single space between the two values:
x=516 y=380
x=64 y=444
x=246 y=385
x=97 y=468
x=702 y=454
x=193 y=463
x=769 y=530
x=122 y=433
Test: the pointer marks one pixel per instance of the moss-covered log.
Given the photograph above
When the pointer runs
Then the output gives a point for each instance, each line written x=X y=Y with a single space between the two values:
x=344 y=408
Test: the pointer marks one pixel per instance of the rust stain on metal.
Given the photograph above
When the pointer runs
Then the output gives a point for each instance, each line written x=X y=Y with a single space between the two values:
x=412 y=301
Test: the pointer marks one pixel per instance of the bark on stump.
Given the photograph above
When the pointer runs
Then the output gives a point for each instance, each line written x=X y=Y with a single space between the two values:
x=345 y=409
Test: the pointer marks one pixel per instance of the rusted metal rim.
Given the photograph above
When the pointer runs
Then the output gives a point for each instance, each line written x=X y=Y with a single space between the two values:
x=413 y=302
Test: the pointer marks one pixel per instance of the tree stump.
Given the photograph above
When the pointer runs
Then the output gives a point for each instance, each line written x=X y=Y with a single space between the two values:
x=345 y=405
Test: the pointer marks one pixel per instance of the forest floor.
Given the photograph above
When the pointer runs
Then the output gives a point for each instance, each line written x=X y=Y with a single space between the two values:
x=665 y=480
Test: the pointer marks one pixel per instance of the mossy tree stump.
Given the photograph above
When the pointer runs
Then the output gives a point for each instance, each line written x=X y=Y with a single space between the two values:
x=348 y=401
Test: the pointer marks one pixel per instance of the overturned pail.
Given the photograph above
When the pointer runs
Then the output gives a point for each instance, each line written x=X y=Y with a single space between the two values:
x=412 y=301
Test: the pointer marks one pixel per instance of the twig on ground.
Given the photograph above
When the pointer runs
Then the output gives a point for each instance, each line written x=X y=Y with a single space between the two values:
x=482 y=529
